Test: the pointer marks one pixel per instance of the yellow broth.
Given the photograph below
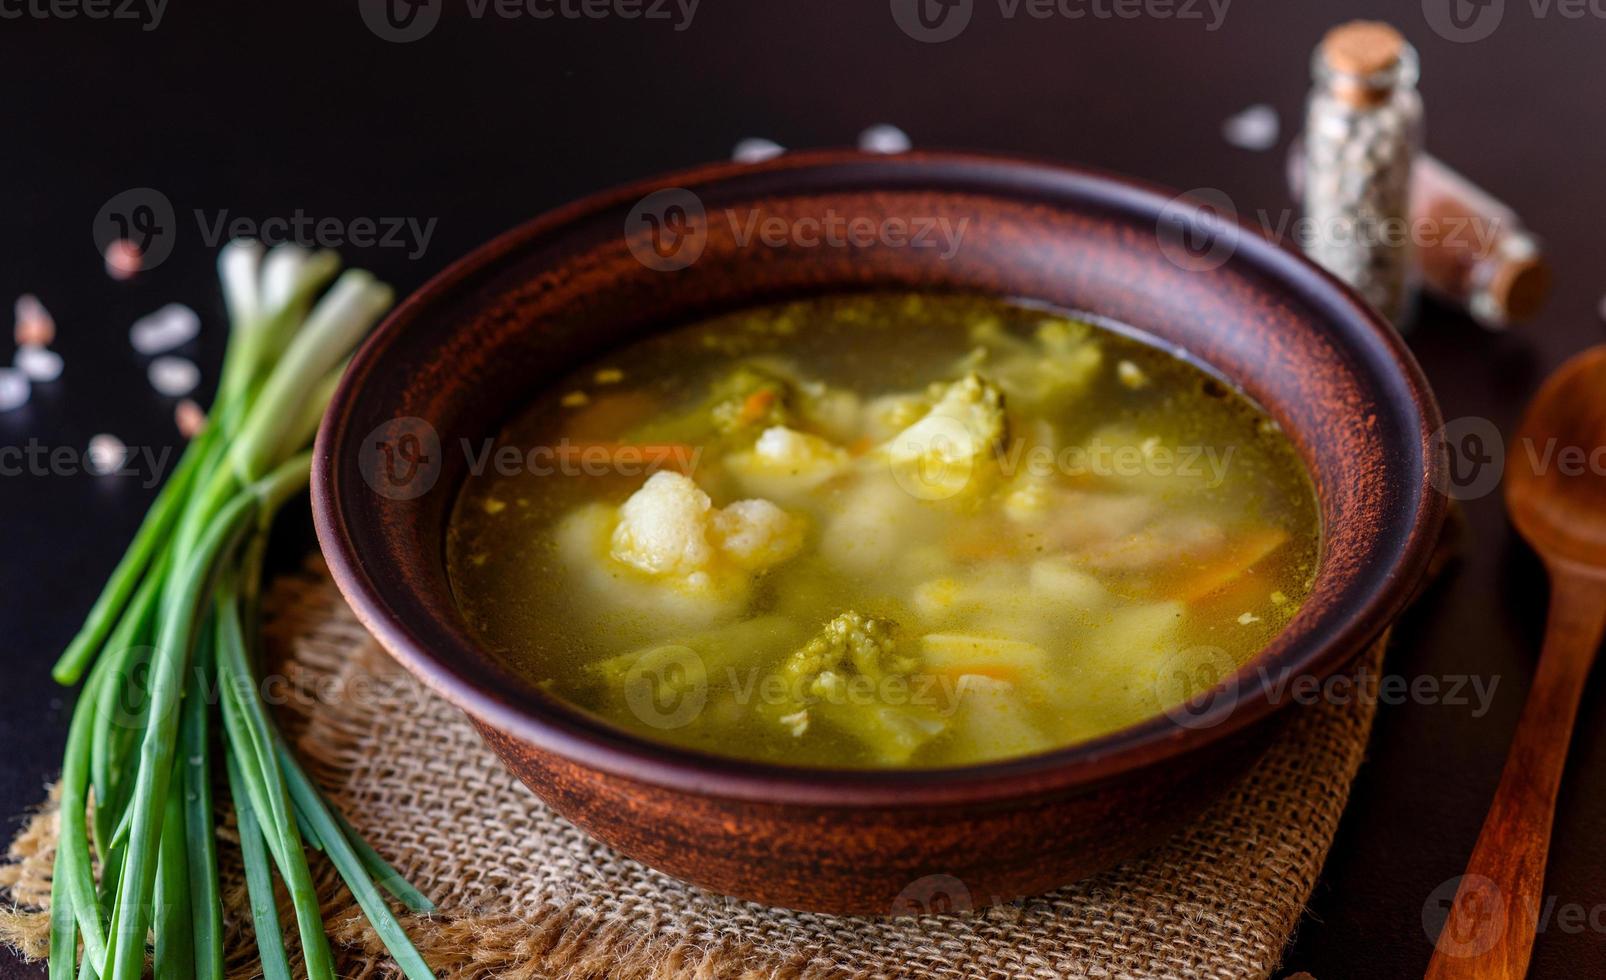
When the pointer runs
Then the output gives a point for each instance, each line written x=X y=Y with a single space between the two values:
x=884 y=530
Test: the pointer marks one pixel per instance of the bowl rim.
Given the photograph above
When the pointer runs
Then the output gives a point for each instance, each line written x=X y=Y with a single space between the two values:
x=591 y=743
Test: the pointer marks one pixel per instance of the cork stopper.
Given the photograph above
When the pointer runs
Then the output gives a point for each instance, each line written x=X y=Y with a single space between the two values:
x=1518 y=287
x=1362 y=47
x=1361 y=57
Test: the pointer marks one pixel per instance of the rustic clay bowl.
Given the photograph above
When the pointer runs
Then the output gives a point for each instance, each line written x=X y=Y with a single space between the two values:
x=464 y=353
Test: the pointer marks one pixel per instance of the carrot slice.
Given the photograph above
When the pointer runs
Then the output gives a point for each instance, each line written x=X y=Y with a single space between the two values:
x=756 y=404
x=1245 y=551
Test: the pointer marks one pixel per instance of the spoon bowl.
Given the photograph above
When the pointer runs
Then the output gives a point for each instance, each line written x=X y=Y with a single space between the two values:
x=1557 y=493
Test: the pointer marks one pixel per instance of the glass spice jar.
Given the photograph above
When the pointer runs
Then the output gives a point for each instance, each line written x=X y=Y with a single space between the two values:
x=1472 y=251
x=1363 y=128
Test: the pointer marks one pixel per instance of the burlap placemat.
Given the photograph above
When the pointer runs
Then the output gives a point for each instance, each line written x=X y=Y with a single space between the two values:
x=523 y=893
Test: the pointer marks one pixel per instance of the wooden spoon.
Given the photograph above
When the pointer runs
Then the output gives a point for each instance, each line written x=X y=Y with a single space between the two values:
x=1556 y=494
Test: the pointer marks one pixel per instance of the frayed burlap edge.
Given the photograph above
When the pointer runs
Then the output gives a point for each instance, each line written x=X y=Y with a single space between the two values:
x=314 y=638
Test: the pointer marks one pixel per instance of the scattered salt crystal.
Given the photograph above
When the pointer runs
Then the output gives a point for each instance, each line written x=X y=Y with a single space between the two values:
x=1255 y=128
x=168 y=327
x=174 y=376
x=124 y=260
x=1248 y=618
x=574 y=399
x=755 y=149
x=609 y=376
x=107 y=453
x=1277 y=598
x=884 y=138
x=38 y=363
x=35 y=325
x=13 y=389
x=189 y=417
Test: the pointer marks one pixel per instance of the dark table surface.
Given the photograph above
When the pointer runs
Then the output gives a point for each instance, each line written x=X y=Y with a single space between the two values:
x=285 y=109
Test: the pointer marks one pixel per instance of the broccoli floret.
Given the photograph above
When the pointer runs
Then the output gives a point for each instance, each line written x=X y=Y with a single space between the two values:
x=1058 y=364
x=837 y=677
x=751 y=399
x=744 y=402
x=850 y=643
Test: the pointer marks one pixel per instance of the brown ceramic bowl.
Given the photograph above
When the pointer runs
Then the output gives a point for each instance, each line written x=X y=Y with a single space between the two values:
x=464 y=353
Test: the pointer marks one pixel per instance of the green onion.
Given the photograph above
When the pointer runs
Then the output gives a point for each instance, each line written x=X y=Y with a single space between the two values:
x=171 y=627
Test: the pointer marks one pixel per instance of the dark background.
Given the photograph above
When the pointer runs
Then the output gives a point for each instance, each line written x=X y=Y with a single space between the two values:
x=264 y=109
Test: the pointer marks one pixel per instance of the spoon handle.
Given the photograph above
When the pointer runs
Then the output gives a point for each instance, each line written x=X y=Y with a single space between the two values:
x=1490 y=929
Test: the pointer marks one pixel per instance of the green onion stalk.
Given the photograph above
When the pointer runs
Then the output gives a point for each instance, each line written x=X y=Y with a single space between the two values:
x=170 y=680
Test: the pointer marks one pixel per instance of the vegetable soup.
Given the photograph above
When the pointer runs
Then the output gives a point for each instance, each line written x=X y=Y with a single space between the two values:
x=885 y=530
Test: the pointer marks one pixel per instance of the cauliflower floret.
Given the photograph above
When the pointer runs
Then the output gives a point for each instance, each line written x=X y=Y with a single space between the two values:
x=670 y=528
x=785 y=464
x=663 y=527
x=967 y=421
x=888 y=415
x=948 y=450
x=781 y=447
x=755 y=534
